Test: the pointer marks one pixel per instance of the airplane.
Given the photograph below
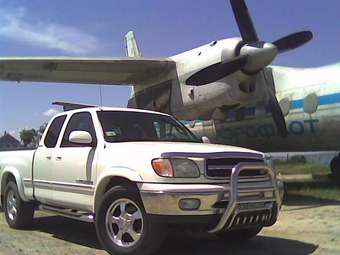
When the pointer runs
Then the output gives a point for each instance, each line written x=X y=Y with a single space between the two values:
x=226 y=89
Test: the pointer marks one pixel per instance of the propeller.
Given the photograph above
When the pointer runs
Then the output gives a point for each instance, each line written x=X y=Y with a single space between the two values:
x=293 y=41
x=244 y=21
x=252 y=57
x=273 y=104
x=216 y=72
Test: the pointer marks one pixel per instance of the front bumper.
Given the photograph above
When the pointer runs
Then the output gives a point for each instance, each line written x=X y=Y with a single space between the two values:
x=236 y=204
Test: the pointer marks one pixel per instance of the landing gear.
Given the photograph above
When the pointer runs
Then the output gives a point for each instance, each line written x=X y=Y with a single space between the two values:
x=335 y=169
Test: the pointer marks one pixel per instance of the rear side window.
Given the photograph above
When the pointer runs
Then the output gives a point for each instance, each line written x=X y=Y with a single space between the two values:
x=54 y=131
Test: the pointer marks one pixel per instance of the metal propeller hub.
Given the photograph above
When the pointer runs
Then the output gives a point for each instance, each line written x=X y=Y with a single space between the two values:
x=260 y=55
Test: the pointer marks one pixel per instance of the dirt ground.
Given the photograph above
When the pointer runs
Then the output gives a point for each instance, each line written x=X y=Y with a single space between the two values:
x=305 y=226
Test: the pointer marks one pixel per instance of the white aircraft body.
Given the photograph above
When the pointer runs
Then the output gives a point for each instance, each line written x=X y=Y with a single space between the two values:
x=226 y=89
x=310 y=101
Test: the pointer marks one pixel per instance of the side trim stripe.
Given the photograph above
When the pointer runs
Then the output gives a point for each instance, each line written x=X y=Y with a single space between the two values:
x=62 y=187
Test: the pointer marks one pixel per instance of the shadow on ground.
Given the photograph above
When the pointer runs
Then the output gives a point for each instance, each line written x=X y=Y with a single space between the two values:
x=306 y=200
x=73 y=231
x=259 y=245
x=84 y=234
x=296 y=200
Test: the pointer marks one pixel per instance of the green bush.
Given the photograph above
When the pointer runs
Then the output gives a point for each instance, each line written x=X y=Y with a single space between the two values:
x=298 y=159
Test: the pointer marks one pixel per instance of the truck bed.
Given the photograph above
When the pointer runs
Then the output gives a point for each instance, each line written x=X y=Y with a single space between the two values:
x=20 y=159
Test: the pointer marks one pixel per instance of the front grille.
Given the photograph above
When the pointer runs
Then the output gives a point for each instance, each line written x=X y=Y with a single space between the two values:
x=221 y=168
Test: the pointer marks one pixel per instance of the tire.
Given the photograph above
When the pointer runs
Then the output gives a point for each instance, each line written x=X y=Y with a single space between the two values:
x=114 y=234
x=239 y=235
x=18 y=213
x=335 y=169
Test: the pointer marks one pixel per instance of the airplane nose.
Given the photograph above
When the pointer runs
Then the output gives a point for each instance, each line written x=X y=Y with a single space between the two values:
x=260 y=55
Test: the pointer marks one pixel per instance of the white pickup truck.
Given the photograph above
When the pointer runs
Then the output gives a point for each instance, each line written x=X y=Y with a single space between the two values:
x=135 y=173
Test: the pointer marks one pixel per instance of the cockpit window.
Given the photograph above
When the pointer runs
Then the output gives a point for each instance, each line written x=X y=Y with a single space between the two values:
x=213 y=43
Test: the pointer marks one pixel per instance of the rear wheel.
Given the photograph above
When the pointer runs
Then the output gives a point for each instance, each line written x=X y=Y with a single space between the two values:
x=18 y=213
x=335 y=169
x=239 y=235
x=122 y=225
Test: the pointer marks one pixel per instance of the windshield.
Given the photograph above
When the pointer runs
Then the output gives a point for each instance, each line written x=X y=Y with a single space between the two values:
x=137 y=126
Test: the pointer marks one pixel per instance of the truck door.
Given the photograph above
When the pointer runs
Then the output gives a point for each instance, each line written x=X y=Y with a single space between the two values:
x=74 y=166
x=43 y=162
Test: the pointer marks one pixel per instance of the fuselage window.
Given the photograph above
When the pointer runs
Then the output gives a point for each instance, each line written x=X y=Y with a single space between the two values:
x=311 y=103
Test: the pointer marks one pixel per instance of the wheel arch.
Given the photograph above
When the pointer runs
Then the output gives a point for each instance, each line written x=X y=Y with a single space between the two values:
x=114 y=177
x=7 y=175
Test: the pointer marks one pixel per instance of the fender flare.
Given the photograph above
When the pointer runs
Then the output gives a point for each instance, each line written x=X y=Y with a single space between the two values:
x=20 y=184
x=106 y=176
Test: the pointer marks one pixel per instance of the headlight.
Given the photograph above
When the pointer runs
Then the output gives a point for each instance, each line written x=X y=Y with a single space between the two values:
x=178 y=168
x=185 y=168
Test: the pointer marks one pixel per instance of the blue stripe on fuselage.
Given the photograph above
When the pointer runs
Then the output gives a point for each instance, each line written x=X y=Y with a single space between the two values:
x=323 y=100
x=295 y=104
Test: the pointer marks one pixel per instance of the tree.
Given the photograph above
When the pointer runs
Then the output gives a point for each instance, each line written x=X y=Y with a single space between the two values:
x=40 y=132
x=42 y=129
x=28 y=136
x=32 y=136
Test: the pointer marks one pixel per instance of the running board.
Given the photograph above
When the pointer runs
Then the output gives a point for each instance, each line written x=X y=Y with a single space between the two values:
x=85 y=217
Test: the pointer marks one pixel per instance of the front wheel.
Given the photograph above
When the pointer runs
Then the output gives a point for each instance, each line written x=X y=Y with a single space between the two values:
x=335 y=169
x=239 y=235
x=122 y=225
x=18 y=213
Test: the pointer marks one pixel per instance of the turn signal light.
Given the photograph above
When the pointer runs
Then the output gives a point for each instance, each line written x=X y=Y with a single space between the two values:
x=163 y=167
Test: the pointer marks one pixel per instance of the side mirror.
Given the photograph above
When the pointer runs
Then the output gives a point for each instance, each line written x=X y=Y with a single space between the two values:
x=205 y=139
x=80 y=137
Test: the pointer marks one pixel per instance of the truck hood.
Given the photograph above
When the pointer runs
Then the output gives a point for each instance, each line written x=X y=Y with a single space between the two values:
x=159 y=149
x=137 y=157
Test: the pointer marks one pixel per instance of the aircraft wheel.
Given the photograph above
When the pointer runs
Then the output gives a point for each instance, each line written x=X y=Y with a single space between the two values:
x=335 y=169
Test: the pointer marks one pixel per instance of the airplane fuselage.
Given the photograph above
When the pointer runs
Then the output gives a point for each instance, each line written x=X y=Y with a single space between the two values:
x=310 y=99
x=227 y=111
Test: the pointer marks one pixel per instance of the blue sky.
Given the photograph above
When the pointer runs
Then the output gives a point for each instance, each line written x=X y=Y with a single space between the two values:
x=163 y=28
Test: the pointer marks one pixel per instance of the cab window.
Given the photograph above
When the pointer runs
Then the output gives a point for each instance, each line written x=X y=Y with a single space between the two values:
x=54 y=131
x=78 y=122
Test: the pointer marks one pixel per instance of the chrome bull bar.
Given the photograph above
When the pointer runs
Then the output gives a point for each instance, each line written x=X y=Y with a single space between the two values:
x=234 y=190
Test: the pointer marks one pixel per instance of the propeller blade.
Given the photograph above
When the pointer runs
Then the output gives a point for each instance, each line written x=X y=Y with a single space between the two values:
x=244 y=21
x=217 y=71
x=277 y=115
x=293 y=41
x=274 y=105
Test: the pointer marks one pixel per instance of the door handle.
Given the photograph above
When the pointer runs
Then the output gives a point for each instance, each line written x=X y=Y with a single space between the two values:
x=58 y=158
x=48 y=157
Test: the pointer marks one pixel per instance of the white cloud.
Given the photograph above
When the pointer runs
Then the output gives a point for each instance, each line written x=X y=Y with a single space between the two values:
x=16 y=24
x=51 y=112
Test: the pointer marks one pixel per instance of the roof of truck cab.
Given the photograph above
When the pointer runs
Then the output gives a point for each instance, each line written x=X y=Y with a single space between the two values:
x=117 y=109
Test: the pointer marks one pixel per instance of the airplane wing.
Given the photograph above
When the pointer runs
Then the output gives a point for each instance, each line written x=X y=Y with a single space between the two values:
x=115 y=71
